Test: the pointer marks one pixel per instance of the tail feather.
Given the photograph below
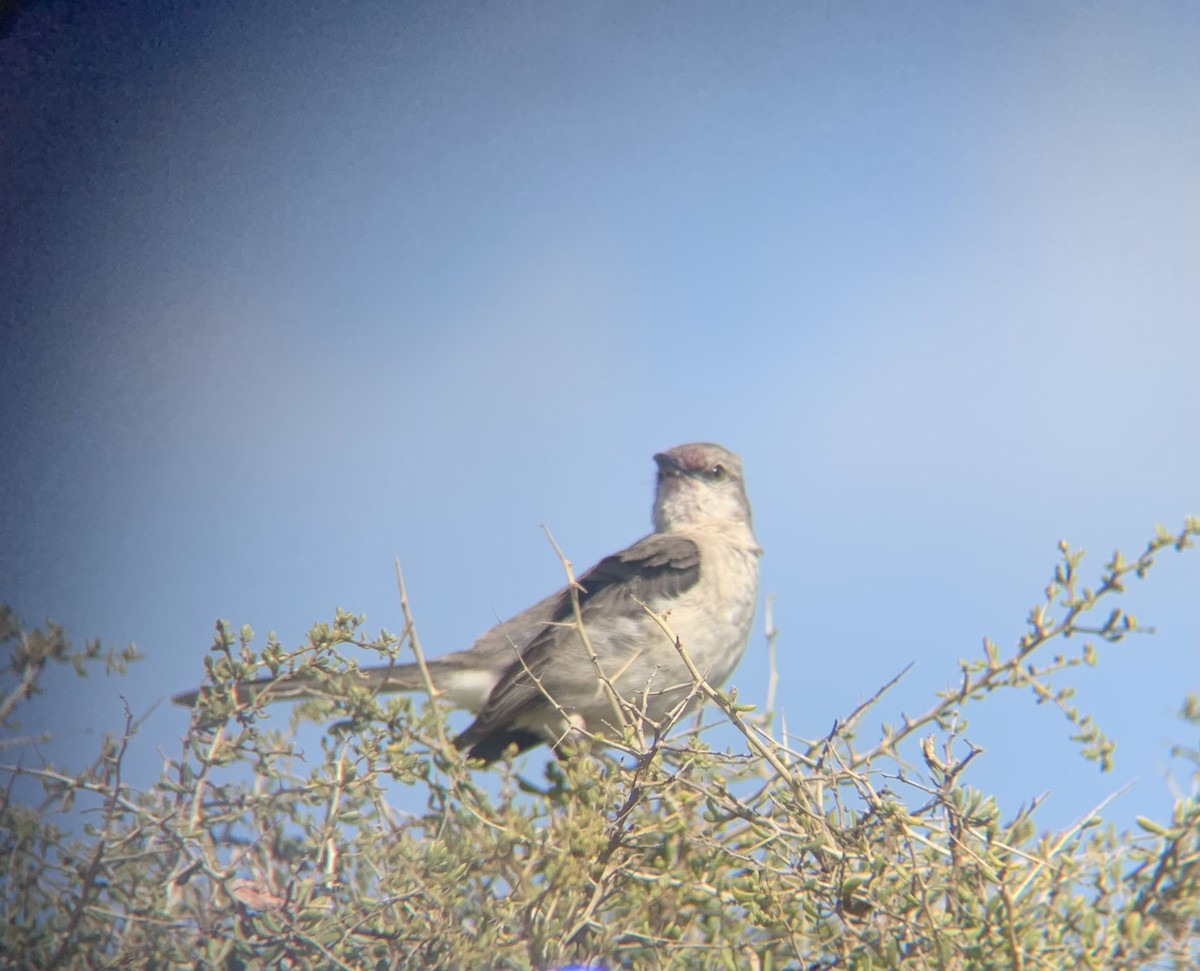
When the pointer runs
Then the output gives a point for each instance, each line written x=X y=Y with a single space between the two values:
x=386 y=678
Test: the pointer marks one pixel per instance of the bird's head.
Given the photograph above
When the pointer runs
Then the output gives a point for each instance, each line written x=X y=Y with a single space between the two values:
x=699 y=482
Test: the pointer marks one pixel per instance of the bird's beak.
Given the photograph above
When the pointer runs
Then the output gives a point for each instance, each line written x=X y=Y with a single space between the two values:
x=667 y=464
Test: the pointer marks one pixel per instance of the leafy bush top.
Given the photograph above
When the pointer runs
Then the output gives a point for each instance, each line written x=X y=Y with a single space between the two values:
x=655 y=853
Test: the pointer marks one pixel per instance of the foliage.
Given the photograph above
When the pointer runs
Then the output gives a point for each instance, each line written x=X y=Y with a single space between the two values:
x=657 y=853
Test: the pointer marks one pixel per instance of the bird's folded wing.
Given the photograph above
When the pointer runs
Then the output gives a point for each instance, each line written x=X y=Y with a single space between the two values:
x=653 y=570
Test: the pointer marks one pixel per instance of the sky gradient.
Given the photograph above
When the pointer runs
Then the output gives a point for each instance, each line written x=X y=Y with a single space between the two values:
x=289 y=293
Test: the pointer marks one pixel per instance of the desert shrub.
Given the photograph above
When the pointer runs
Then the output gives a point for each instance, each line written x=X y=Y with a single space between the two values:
x=653 y=853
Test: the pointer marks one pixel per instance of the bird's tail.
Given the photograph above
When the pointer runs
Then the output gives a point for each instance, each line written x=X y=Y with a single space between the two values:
x=385 y=678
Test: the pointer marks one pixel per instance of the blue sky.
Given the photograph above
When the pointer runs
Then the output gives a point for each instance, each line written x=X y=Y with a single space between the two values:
x=292 y=292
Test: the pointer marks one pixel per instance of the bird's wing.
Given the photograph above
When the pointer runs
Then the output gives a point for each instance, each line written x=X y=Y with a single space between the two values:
x=661 y=565
x=657 y=568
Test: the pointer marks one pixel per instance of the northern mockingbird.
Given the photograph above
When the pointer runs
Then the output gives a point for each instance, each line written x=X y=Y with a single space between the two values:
x=531 y=679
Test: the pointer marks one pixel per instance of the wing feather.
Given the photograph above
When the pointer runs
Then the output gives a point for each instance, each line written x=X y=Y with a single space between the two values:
x=659 y=567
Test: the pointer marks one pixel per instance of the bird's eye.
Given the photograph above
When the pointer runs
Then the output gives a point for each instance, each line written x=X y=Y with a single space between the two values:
x=717 y=472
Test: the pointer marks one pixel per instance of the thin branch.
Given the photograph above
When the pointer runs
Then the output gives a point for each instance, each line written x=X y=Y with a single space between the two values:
x=415 y=643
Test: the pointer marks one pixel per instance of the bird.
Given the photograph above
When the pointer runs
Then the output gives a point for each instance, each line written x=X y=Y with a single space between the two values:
x=535 y=678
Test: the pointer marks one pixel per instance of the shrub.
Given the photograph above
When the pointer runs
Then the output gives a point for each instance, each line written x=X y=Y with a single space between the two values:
x=655 y=853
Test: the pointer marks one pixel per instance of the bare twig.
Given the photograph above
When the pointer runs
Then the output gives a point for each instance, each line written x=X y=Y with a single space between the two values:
x=415 y=643
x=614 y=698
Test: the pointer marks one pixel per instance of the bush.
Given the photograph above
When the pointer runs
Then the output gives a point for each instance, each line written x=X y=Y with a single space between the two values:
x=655 y=853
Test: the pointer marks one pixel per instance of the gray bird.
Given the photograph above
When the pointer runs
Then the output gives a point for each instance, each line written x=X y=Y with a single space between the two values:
x=531 y=679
